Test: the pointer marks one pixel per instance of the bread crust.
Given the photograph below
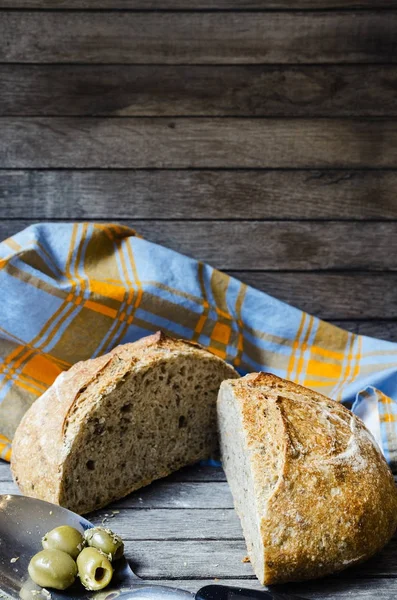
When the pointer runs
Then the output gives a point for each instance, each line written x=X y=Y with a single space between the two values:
x=334 y=503
x=44 y=436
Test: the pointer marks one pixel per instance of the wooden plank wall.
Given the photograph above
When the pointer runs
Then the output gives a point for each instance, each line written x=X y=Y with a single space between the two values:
x=258 y=135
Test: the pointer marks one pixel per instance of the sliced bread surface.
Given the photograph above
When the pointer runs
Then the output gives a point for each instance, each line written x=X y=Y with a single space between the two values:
x=113 y=424
x=312 y=488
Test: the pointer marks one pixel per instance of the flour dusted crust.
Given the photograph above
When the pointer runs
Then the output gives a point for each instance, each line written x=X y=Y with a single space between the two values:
x=321 y=496
x=49 y=430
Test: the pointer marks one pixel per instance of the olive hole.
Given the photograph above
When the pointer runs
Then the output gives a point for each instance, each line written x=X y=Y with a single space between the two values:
x=99 y=573
x=182 y=421
x=90 y=465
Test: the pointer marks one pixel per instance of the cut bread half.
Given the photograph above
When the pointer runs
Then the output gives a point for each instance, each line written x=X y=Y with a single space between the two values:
x=113 y=424
x=312 y=488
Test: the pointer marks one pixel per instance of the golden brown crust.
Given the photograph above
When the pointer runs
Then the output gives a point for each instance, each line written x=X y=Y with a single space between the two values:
x=334 y=502
x=40 y=444
x=38 y=441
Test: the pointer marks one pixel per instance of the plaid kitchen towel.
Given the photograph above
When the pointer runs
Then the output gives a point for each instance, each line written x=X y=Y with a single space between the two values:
x=74 y=291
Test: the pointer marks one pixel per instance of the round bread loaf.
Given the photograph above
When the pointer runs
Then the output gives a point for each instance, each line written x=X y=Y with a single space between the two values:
x=312 y=488
x=113 y=424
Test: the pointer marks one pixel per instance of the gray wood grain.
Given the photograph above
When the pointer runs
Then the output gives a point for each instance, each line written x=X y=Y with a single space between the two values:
x=161 y=524
x=219 y=37
x=383 y=329
x=198 y=473
x=141 y=194
x=220 y=558
x=8 y=487
x=348 y=296
x=195 y=473
x=197 y=142
x=336 y=588
x=195 y=4
x=164 y=494
x=337 y=295
x=204 y=549
x=272 y=245
x=213 y=90
x=188 y=558
x=5 y=474
x=183 y=531
x=288 y=245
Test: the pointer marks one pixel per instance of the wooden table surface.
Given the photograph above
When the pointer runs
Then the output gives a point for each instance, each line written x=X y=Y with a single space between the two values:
x=257 y=135
x=183 y=531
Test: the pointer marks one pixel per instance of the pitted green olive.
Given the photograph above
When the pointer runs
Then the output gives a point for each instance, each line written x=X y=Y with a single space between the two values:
x=105 y=540
x=53 y=568
x=64 y=538
x=95 y=569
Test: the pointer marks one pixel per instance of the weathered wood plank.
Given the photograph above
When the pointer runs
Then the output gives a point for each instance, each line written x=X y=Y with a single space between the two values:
x=335 y=588
x=344 y=585
x=198 y=473
x=141 y=194
x=383 y=329
x=273 y=245
x=162 y=494
x=222 y=558
x=197 y=142
x=196 y=4
x=239 y=90
x=188 y=558
x=8 y=487
x=336 y=295
x=5 y=473
x=160 y=524
x=165 y=494
x=200 y=37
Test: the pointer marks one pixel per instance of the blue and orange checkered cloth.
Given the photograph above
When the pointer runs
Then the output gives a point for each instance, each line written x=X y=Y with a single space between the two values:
x=74 y=291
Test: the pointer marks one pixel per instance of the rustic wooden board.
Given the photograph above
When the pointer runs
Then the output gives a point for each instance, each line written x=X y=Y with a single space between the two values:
x=328 y=589
x=348 y=295
x=302 y=207
x=196 y=142
x=198 y=37
x=222 y=558
x=163 y=524
x=384 y=329
x=289 y=245
x=214 y=495
x=195 y=473
x=195 y=4
x=203 y=194
x=210 y=90
x=190 y=548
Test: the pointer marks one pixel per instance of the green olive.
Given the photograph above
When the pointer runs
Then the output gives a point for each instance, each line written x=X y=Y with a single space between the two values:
x=53 y=569
x=105 y=540
x=95 y=569
x=64 y=538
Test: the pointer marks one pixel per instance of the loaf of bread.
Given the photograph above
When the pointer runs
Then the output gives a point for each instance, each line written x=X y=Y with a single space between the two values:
x=312 y=489
x=113 y=424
